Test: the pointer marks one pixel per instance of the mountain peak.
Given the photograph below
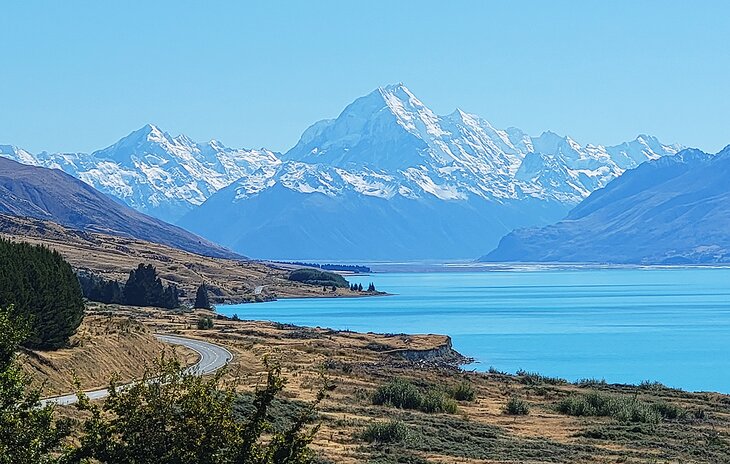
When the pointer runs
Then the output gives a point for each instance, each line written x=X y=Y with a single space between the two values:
x=148 y=132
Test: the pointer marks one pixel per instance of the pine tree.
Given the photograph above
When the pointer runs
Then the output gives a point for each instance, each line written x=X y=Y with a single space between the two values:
x=371 y=287
x=359 y=287
x=201 y=297
x=43 y=289
x=144 y=288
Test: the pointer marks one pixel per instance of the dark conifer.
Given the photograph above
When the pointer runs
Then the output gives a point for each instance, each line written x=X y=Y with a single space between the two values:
x=43 y=289
x=201 y=297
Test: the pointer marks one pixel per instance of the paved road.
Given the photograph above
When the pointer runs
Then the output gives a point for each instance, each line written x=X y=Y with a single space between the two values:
x=212 y=358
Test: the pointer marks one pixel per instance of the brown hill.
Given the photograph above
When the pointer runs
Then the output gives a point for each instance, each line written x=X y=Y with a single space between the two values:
x=52 y=195
x=229 y=280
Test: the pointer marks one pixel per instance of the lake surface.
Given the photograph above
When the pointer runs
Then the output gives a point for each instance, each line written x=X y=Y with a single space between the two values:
x=621 y=325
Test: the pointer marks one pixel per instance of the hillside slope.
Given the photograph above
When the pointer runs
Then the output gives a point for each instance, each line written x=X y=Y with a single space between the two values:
x=675 y=210
x=52 y=195
x=229 y=280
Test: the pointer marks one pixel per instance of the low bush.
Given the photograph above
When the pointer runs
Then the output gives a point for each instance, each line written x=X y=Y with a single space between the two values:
x=386 y=432
x=403 y=394
x=464 y=391
x=669 y=411
x=434 y=401
x=585 y=383
x=205 y=323
x=517 y=407
x=533 y=378
x=398 y=393
x=624 y=409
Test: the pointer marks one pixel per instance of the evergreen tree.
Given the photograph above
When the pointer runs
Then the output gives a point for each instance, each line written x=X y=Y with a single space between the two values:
x=96 y=288
x=371 y=287
x=43 y=289
x=359 y=287
x=144 y=288
x=201 y=297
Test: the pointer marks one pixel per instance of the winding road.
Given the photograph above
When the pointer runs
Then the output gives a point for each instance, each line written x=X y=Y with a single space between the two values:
x=212 y=358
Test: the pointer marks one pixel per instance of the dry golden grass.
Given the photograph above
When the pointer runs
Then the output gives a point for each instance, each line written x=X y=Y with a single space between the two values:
x=230 y=281
x=105 y=347
x=480 y=432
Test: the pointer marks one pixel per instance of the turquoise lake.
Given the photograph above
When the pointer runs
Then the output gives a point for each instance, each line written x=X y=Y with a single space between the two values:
x=621 y=325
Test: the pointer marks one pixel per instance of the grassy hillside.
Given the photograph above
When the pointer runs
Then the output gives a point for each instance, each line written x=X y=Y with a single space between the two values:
x=447 y=415
x=113 y=257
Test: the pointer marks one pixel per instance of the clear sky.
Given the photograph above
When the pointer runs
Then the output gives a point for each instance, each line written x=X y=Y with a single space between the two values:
x=78 y=75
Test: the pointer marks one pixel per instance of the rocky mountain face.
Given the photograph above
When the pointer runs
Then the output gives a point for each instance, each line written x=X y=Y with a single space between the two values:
x=390 y=179
x=674 y=210
x=52 y=195
x=387 y=179
x=153 y=172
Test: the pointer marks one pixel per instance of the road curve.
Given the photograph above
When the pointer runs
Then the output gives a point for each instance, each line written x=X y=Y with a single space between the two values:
x=212 y=358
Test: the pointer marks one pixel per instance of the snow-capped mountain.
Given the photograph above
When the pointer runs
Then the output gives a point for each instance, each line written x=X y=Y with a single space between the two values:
x=390 y=179
x=154 y=172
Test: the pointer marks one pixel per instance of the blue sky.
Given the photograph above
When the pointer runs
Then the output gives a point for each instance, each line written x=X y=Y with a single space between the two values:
x=77 y=76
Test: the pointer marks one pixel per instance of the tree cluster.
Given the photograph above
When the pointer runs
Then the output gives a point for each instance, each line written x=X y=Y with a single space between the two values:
x=43 y=290
x=359 y=288
x=317 y=277
x=96 y=288
x=145 y=288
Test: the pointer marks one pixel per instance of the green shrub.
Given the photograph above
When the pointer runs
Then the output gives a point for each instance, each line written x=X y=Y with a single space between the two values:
x=205 y=323
x=517 y=407
x=399 y=393
x=403 y=394
x=584 y=383
x=624 y=409
x=386 y=432
x=464 y=391
x=434 y=401
x=533 y=378
x=669 y=411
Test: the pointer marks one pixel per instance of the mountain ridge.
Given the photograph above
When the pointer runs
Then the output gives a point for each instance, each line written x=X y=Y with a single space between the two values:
x=388 y=145
x=673 y=210
x=52 y=195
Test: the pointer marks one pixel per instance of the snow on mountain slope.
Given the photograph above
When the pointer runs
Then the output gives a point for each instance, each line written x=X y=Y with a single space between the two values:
x=391 y=132
x=154 y=172
x=397 y=160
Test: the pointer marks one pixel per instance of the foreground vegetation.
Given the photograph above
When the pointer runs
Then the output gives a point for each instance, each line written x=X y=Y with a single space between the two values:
x=171 y=416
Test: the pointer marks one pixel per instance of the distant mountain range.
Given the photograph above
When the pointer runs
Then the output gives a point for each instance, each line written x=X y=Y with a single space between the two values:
x=387 y=179
x=153 y=172
x=52 y=195
x=675 y=210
